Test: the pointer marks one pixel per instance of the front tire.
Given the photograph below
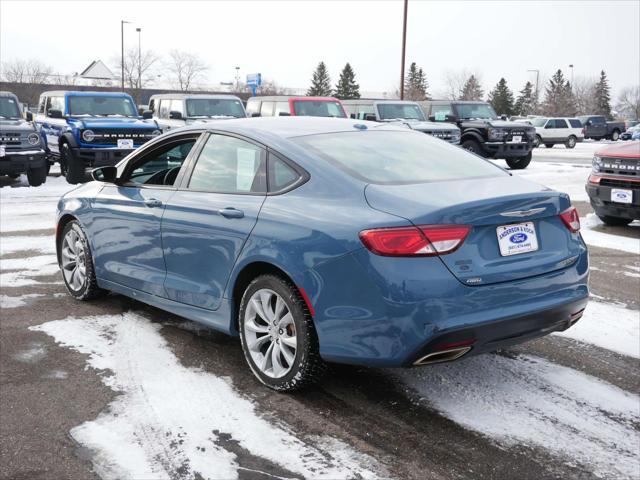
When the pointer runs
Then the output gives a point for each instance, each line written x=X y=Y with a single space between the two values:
x=472 y=146
x=278 y=336
x=76 y=263
x=549 y=145
x=571 y=142
x=37 y=176
x=537 y=141
x=519 y=163
x=74 y=166
x=615 y=221
x=615 y=135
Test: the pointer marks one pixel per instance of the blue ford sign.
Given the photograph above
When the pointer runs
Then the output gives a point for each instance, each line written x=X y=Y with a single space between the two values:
x=254 y=80
x=518 y=238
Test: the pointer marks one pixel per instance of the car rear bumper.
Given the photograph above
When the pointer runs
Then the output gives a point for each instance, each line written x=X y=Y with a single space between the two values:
x=600 y=199
x=386 y=312
x=507 y=150
x=14 y=163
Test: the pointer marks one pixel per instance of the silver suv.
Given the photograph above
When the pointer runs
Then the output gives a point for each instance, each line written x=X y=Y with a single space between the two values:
x=173 y=110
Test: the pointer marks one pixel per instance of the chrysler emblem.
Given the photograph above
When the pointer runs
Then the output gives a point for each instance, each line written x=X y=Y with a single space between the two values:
x=523 y=213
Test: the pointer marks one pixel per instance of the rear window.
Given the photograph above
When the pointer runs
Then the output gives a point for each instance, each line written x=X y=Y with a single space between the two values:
x=391 y=157
x=319 y=108
x=575 y=123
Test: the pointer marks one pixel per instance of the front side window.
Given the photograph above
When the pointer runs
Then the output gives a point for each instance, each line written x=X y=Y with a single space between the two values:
x=393 y=157
x=282 y=107
x=214 y=107
x=55 y=103
x=476 y=110
x=229 y=165
x=392 y=111
x=9 y=108
x=318 y=108
x=164 y=108
x=266 y=109
x=43 y=101
x=162 y=165
x=253 y=106
x=102 y=106
x=176 y=106
x=539 y=122
x=561 y=123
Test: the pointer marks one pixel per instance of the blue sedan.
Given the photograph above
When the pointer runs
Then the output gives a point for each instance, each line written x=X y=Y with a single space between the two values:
x=328 y=240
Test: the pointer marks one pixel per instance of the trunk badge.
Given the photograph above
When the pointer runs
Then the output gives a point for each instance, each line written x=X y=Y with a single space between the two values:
x=523 y=213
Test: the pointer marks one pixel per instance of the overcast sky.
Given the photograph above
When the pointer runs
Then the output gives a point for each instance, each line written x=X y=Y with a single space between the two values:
x=285 y=40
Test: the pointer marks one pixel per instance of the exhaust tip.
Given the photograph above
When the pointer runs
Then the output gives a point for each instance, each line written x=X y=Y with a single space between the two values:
x=442 y=356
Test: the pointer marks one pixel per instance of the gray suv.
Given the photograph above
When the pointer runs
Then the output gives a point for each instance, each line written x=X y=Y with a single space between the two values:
x=173 y=110
x=22 y=149
x=406 y=113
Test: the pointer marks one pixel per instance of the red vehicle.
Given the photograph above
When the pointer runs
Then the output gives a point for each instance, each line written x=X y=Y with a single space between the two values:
x=283 y=105
x=614 y=184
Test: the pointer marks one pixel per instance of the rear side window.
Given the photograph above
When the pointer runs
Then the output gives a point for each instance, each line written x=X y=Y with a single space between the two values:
x=282 y=107
x=561 y=123
x=575 y=123
x=598 y=120
x=281 y=175
x=439 y=112
x=266 y=110
x=394 y=157
x=229 y=165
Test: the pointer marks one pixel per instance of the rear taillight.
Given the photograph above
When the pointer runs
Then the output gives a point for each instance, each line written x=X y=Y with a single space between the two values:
x=571 y=219
x=422 y=241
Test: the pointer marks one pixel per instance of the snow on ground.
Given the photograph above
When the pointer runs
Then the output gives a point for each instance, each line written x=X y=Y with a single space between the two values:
x=608 y=326
x=7 y=301
x=589 y=229
x=582 y=151
x=172 y=421
x=528 y=400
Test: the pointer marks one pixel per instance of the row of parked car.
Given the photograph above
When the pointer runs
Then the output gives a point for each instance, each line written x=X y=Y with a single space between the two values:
x=84 y=130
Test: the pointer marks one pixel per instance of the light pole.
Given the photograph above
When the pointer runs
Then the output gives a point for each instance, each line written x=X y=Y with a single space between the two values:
x=122 y=22
x=404 y=44
x=139 y=30
x=571 y=67
x=237 y=79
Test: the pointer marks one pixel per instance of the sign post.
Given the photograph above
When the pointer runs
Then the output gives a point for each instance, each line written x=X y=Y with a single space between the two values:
x=254 y=80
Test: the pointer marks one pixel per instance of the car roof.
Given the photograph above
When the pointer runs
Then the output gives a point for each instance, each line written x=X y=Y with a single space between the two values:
x=435 y=102
x=377 y=100
x=294 y=97
x=626 y=150
x=84 y=93
x=4 y=93
x=269 y=128
x=215 y=96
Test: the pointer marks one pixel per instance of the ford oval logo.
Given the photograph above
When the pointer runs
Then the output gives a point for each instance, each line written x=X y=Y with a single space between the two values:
x=518 y=238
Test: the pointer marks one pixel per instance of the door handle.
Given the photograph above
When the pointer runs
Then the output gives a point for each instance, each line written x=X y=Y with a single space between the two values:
x=231 y=212
x=153 y=202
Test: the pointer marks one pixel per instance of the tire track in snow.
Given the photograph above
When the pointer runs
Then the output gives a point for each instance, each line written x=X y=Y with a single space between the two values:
x=169 y=420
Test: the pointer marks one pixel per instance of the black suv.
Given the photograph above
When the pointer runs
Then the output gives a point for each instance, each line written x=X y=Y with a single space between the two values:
x=483 y=132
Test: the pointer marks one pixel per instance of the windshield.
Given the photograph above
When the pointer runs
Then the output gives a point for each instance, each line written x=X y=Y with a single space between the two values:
x=214 y=107
x=475 y=110
x=9 y=108
x=407 y=111
x=392 y=157
x=104 y=106
x=318 y=108
x=538 y=122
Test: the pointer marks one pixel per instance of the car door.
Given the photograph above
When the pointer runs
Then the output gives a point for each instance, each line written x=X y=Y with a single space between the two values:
x=125 y=225
x=561 y=132
x=208 y=220
x=53 y=128
x=598 y=127
x=549 y=133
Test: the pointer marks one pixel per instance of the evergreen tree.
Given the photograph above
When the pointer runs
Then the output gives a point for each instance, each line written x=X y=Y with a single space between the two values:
x=527 y=103
x=558 y=101
x=320 y=83
x=501 y=98
x=347 y=88
x=471 y=90
x=415 y=84
x=603 y=96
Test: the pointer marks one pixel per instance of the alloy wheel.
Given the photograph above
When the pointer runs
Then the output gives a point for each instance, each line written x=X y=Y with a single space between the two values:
x=270 y=333
x=74 y=260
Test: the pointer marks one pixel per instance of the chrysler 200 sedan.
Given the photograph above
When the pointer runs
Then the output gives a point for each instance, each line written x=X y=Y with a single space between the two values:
x=328 y=240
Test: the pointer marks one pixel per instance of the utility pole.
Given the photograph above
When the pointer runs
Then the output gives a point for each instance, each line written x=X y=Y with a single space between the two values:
x=237 y=79
x=404 y=45
x=122 y=22
x=139 y=30
x=571 y=67
x=537 y=80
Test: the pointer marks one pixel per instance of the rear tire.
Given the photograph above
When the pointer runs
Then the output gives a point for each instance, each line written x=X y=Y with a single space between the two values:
x=571 y=142
x=537 y=141
x=37 y=176
x=615 y=221
x=519 y=163
x=274 y=317
x=76 y=263
x=74 y=167
x=472 y=146
x=615 y=135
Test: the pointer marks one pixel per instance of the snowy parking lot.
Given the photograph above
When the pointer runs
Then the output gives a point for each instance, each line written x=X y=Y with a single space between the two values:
x=116 y=389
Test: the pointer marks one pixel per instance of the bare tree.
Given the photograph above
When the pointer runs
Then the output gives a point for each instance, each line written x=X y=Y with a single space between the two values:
x=270 y=87
x=629 y=102
x=138 y=67
x=32 y=72
x=455 y=81
x=186 y=68
x=584 y=95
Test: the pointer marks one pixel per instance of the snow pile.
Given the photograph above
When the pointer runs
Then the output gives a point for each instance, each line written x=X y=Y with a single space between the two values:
x=26 y=269
x=608 y=326
x=590 y=227
x=527 y=400
x=171 y=421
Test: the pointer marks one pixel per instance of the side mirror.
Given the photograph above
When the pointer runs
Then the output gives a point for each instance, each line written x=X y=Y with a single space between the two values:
x=106 y=174
x=173 y=115
x=503 y=117
x=370 y=117
x=284 y=114
x=53 y=113
x=147 y=114
x=589 y=123
x=255 y=114
x=28 y=116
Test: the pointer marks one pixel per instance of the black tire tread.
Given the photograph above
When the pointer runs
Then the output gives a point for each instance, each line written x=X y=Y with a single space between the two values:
x=312 y=367
x=615 y=221
x=92 y=290
x=37 y=176
x=519 y=163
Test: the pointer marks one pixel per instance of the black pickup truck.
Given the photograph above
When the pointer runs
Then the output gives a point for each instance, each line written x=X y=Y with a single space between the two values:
x=597 y=127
